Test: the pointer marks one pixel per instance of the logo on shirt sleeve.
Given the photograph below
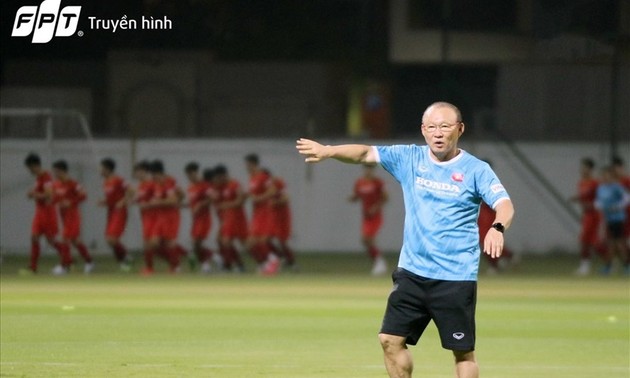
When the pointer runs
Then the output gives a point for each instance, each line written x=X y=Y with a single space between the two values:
x=497 y=188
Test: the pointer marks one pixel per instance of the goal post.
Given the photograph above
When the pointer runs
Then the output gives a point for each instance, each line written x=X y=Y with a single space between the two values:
x=49 y=116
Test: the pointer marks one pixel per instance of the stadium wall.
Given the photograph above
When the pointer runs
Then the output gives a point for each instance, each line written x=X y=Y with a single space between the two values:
x=323 y=218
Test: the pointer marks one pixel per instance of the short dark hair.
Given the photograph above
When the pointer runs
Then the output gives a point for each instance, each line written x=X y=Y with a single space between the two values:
x=191 y=167
x=61 y=165
x=588 y=162
x=617 y=161
x=109 y=163
x=142 y=165
x=208 y=174
x=32 y=159
x=252 y=158
x=157 y=166
x=220 y=170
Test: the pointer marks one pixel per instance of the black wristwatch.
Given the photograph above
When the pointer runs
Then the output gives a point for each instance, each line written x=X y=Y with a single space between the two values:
x=499 y=227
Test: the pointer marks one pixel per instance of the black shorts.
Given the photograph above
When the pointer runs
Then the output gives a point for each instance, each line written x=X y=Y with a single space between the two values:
x=415 y=301
x=615 y=230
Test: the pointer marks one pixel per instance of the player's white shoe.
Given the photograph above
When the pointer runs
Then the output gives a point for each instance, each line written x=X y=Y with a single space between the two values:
x=59 y=270
x=584 y=269
x=205 y=267
x=88 y=268
x=380 y=267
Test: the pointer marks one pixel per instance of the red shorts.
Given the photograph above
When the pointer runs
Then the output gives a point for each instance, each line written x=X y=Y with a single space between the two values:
x=71 y=221
x=116 y=222
x=282 y=225
x=371 y=226
x=166 y=226
x=149 y=221
x=45 y=223
x=262 y=223
x=233 y=226
x=200 y=228
x=590 y=228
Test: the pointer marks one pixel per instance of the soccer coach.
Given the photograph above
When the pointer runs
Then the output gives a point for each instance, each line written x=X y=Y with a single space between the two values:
x=436 y=277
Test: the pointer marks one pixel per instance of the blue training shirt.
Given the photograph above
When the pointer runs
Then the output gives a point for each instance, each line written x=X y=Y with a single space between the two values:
x=612 y=199
x=441 y=237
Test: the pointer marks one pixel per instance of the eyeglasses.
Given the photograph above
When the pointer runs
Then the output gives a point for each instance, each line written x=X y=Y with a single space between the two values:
x=445 y=127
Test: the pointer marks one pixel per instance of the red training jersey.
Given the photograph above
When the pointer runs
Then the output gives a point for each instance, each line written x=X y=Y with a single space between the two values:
x=259 y=183
x=485 y=220
x=280 y=186
x=228 y=193
x=144 y=194
x=43 y=182
x=587 y=189
x=199 y=192
x=163 y=190
x=370 y=192
x=115 y=190
x=68 y=191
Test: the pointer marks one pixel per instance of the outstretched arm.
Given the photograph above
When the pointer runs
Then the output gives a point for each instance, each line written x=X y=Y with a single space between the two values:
x=347 y=153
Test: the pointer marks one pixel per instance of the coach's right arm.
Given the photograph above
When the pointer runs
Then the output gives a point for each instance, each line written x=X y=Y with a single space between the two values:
x=347 y=153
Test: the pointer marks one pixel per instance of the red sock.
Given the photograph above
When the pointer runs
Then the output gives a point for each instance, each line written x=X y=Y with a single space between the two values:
x=288 y=253
x=235 y=257
x=173 y=255
x=83 y=251
x=260 y=252
x=120 y=252
x=374 y=252
x=203 y=254
x=64 y=252
x=180 y=251
x=35 y=251
x=226 y=255
x=585 y=251
x=148 y=258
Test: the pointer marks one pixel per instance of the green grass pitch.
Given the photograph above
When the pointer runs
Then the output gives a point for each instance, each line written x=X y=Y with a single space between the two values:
x=538 y=321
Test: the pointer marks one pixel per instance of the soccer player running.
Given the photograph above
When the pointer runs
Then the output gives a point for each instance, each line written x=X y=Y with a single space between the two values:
x=199 y=200
x=261 y=190
x=148 y=214
x=611 y=199
x=166 y=201
x=624 y=179
x=68 y=195
x=45 y=218
x=437 y=271
x=370 y=189
x=591 y=218
x=281 y=223
x=232 y=221
x=117 y=196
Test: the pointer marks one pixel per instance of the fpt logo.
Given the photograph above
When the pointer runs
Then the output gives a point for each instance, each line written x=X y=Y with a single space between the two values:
x=46 y=21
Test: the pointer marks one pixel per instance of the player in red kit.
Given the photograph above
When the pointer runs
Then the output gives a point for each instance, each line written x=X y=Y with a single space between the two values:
x=281 y=222
x=261 y=190
x=68 y=194
x=591 y=218
x=148 y=214
x=117 y=194
x=199 y=200
x=624 y=179
x=370 y=190
x=233 y=223
x=45 y=218
x=166 y=201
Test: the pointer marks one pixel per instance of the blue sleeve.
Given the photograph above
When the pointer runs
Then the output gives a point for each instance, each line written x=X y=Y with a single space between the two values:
x=489 y=187
x=393 y=159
